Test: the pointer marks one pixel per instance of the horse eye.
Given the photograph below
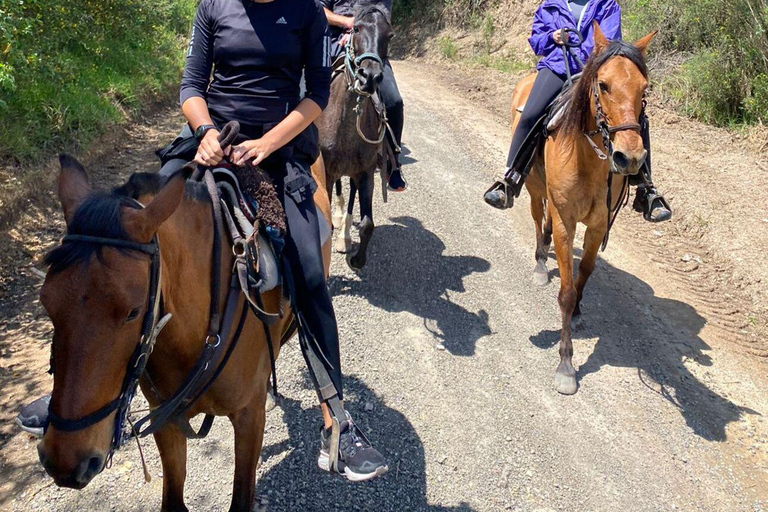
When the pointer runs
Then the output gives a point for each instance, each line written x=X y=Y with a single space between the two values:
x=356 y=30
x=133 y=315
x=603 y=87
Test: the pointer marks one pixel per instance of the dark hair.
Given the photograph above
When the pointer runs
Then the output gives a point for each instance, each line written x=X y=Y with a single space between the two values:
x=100 y=215
x=577 y=116
x=365 y=7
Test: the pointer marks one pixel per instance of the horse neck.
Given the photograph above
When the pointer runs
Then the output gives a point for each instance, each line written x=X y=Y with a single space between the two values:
x=186 y=257
x=346 y=101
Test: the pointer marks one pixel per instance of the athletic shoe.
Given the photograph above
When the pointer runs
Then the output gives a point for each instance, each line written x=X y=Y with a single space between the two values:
x=358 y=460
x=33 y=417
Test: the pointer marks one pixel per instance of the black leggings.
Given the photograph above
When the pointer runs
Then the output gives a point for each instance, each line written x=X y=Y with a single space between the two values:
x=309 y=294
x=545 y=89
x=393 y=101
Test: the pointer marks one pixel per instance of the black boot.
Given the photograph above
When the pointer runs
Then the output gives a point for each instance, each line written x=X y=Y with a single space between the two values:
x=651 y=204
x=502 y=193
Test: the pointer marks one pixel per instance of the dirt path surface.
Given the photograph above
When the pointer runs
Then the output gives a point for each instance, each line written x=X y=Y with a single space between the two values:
x=449 y=351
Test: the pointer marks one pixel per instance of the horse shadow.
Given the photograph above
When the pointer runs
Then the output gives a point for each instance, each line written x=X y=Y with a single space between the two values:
x=654 y=335
x=295 y=483
x=405 y=156
x=392 y=282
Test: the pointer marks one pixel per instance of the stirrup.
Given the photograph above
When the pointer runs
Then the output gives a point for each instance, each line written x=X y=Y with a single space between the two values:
x=644 y=203
x=504 y=188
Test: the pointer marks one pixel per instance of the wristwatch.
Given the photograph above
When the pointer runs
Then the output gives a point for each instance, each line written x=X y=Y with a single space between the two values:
x=202 y=130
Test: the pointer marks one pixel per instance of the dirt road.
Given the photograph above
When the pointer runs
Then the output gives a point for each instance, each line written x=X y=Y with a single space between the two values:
x=449 y=351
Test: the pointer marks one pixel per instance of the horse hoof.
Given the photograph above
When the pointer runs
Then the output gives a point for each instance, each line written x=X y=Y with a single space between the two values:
x=565 y=384
x=343 y=245
x=577 y=322
x=270 y=403
x=541 y=278
x=356 y=262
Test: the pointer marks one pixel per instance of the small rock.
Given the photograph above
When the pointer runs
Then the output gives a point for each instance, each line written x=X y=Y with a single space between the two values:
x=509 y=439
x=368 y=407
x=442 y=459
x=440 y=347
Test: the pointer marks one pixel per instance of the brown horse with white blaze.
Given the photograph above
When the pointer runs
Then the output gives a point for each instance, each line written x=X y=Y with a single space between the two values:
x=96 y=296
x=579 y=174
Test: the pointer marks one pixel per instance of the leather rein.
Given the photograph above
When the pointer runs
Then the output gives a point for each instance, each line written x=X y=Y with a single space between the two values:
x=216 y=351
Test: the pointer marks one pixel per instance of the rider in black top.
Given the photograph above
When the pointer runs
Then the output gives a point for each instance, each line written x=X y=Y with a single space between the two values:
x=340 y=14
x=244 y=63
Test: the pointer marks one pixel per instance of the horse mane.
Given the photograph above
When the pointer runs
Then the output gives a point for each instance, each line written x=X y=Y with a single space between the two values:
x=578 y=114
x=365 y=7
x=100 y=215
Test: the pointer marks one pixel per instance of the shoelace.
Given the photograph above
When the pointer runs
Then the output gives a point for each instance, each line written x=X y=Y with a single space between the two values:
x=352 y=442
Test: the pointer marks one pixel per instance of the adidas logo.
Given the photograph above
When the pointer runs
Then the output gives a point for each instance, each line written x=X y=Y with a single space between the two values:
x=281 y=21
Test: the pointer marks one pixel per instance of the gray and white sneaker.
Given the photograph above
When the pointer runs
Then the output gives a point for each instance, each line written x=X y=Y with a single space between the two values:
x=358 y=460
x=33 y=417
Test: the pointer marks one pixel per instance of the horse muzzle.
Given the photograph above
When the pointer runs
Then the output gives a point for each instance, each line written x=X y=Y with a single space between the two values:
x=75 y=473
x=627 y=163
x=367 y=80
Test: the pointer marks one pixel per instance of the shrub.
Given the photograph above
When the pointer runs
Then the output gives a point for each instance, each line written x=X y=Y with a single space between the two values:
x=70 y=69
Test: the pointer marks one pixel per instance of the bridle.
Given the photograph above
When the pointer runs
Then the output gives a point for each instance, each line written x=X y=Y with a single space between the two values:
x=150 y=329
x=604 y=128
x=352 y=63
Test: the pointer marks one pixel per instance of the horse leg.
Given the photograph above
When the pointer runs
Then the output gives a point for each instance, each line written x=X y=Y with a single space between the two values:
x=338 y=205
x=344 y=240
x=249 y=436
x=172 y=446
x=593 y=238
x=565 y=375
x=365 y=187
x=540 y=273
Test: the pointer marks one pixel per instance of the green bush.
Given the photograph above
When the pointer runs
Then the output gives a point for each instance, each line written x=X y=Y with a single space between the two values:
x=448 y=48
x=68 y=70
x=724 y=81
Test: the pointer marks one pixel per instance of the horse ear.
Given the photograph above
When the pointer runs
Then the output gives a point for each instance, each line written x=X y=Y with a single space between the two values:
x=73 y=186
x=601 y=42
x=642 y=44
x=142 y=225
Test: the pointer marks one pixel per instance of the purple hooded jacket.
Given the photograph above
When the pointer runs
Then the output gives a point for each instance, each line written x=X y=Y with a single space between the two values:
x=553 y=15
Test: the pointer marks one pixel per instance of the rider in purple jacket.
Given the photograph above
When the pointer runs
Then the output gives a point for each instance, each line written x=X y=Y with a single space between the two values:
x=547 y=37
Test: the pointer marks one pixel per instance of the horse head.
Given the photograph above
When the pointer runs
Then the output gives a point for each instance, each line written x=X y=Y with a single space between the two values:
x=96 y=294
x=610 y=98
x=370 y=39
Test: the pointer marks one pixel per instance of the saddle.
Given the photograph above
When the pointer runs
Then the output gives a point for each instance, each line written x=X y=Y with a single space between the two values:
x=252 y=205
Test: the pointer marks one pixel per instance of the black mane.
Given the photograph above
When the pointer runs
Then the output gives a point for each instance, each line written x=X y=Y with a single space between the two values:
x=100 y=215
x=579 y=112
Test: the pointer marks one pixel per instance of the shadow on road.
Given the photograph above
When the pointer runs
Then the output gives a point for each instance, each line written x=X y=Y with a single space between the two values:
x=636 y=329
x=296 y=483
x=409 y=272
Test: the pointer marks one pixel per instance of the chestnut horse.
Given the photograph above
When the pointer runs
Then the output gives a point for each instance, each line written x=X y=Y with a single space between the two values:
x=96 y=295
x=580 y=173
x=353 y=126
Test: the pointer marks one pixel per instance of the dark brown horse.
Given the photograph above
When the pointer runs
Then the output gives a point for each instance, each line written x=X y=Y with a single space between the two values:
x=96 y=295
x=580 y=175
x=353 y=126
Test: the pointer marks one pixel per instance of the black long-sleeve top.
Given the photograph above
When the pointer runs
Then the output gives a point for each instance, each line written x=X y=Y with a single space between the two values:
x=257 y=52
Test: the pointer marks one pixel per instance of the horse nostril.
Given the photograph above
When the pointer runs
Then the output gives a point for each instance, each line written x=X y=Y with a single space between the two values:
x=620 y=159
x=88 y=469
x=379 y=77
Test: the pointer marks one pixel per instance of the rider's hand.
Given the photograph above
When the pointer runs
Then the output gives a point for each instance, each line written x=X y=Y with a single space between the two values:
x=253 y=151
x=557 y=36
x=209 y=152
x=349 y=22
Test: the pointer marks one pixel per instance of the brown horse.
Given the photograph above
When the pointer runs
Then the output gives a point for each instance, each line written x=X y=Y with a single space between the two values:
x=580 y=172
x=353 y=126
x=96 y=295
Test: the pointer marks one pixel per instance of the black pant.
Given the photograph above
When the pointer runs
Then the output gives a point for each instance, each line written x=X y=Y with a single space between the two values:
x=305 y=274
x=545 y=89
x=393 y=101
